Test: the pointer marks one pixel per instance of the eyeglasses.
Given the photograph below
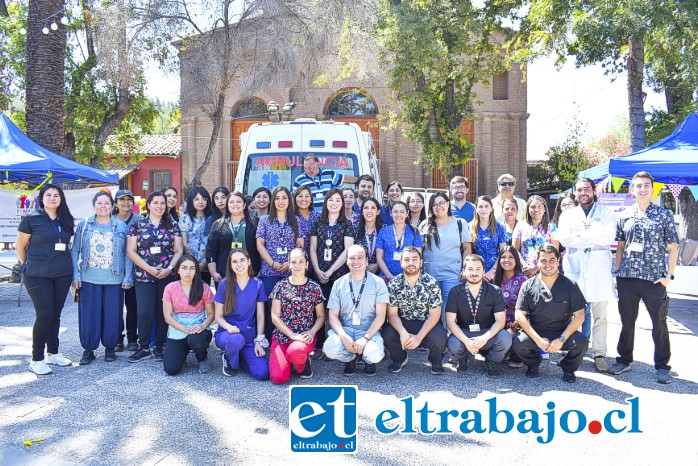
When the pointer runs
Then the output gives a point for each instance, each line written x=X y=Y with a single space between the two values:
x=570 y=204
x=459 y=188
x=507 y=183
x=439 y=205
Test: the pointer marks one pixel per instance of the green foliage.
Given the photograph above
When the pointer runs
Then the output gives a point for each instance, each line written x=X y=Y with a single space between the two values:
x=12 y=46
x=437 y=53
x=167 y=119
x=661 y=124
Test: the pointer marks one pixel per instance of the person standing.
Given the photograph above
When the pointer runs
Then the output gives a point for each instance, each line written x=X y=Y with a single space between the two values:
x=124 y=212
x=394 y=194
x=367 y=231
x=489 y=236
x=549 y=310
x=261 y=198
x=219 y=197
x=154 y=246
x=418 y=213
x=511 y=213
x=536 y=231
x=587 y=232
x=349 y=202
x=646 y=234
x=319 y=181
x=192 y=224
x=305 y=215
x=43 y=239
x=172 y=197
x=101 y=272
x=414 y=314
x=392 y=239
x=365 y=189
x=506 y=185
x=460 y=207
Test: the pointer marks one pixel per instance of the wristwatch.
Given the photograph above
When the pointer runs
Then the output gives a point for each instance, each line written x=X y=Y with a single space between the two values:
x=562 y=339
x=170 y=268
x=669 y=276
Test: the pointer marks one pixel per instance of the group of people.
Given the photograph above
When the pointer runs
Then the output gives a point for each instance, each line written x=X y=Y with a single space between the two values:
x=327 y=273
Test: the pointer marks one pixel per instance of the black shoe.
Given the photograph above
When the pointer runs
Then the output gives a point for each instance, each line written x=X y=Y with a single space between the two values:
x=462 y=365
x=227 y=370
x=437 y=369
x=140 y=355
x=492 y=369
x=532 y=371
x=569 y=377
x=158 y=353
x=308 y=371
x=119 y=347
x=370 y=369
x=110 y=354
x=87 y=357
x=350 y=368
x=132 y=347
x=396 y=366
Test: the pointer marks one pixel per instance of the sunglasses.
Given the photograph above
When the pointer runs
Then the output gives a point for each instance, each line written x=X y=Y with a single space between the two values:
x=507 y=183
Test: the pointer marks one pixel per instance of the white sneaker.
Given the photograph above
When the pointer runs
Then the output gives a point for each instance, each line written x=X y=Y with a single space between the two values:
x=58 y=360
x=39 y=368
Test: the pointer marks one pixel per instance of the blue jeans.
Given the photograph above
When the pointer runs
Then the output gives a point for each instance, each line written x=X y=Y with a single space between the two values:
x=586 y=326
x=446 y=286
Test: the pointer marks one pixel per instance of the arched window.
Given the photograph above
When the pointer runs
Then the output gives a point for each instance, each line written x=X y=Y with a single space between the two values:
x=352 y=103
x=253 y=107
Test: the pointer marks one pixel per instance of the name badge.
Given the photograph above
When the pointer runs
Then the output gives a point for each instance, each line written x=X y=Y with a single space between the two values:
x=474 y=327
x=355 y=318
x=282 y=251
x=397 y=256
x=636 y=247
x=236 y=245
x=60 y=246
x=155 y=250
x=328 y=255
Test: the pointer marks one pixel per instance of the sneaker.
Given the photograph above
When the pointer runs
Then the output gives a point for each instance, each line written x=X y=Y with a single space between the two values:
x=569 y=377
x=396 y=366
x=227 y=370
x=132 y=347
x=663 y=376
x=600 y=364
x=140 y=355
x=492 y=369
x=58 y=360
x=515 y=364
x=317 y=354
x=87 y=357
x=158 y=353
x=437 y=369
x=308 y=371
x=462 y=365
x=40 y=367
x=119 y=348
x=110 y=355
x=204 y=367
x=532 y=371
x=618 y=368
x=350 y=368
x=370 y=369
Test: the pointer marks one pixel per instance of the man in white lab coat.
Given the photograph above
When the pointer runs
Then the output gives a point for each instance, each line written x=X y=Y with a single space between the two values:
x=587 y=232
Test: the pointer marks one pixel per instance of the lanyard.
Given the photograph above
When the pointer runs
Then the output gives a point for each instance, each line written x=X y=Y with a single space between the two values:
x=356 y=300
x=473 y=309
x=399 y=241
x=235 y=229
x=371 y=243
x=56 y=229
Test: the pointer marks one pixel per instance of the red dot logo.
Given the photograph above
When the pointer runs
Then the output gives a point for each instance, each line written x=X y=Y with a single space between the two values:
x=594 y=427
x=341 y=445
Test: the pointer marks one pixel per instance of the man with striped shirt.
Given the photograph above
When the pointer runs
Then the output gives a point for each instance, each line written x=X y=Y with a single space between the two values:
x=319 y=181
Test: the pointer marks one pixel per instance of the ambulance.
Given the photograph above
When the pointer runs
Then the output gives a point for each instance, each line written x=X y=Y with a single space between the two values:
x=272 y=153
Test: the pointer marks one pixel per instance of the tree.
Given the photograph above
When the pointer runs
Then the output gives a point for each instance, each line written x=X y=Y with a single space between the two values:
x=12 y=47
x=437 y=54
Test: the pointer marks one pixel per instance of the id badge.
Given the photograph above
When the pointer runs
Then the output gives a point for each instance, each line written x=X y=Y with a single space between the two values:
x=397 y=256
x=355 y=318
x=636 y=247
x=474 y=327
x=155 y=250
x=282 y=251
x=60 y=246
x=236 y=245
x=328 y=255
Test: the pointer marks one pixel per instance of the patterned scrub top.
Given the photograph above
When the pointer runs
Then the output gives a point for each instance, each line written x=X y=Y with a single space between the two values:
x=297 y=306
x=277 y=237
x=196 y=238
x=414 y=303
x=487 y=245
x=531 y=239
x=336 y=234
x=149 y=239
x=305 y=227
x=510 y=291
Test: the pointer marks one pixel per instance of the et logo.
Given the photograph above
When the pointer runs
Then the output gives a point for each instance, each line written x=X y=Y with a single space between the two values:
x=323 y=418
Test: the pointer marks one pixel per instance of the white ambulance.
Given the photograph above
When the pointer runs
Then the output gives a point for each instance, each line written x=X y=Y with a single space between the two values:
x=272 y=153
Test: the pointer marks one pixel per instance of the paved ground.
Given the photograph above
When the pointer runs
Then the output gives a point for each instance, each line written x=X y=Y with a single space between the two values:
x=120 y=413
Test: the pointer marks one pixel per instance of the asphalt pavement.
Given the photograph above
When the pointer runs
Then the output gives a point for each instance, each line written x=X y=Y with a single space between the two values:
x=120 y=413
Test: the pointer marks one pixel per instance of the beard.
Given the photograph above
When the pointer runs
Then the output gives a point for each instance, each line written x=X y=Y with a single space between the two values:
x=474 y=280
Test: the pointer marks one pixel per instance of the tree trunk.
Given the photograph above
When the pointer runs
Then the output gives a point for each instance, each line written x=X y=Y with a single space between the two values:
x=45 y=87
x=216 y=117
x=635 y=68
x=677 y=95
x=3 y=9
x=689 y=210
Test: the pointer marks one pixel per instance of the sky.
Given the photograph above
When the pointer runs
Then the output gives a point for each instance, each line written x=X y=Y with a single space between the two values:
x=552 y=98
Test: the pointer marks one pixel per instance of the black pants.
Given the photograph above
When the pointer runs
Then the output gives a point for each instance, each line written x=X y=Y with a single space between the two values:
x=630 y=291
x=322 y=333
x=576 y=346
x=48 y=296
x=434 y=341
x=131 y=317
x=149 y=302
x=176 y=351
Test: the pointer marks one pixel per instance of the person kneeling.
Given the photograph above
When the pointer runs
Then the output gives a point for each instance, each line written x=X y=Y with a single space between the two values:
x=297 y=312
x=476 y=317
x=414 y=312
x=356 y=312
x=187 y=306
x=545 y=313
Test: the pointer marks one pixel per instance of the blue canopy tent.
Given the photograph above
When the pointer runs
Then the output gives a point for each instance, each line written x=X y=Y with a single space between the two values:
x=597 y=173
x=24 y=161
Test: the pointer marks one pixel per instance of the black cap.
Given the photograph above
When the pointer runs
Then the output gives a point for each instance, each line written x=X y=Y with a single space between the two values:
x=124 y=193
